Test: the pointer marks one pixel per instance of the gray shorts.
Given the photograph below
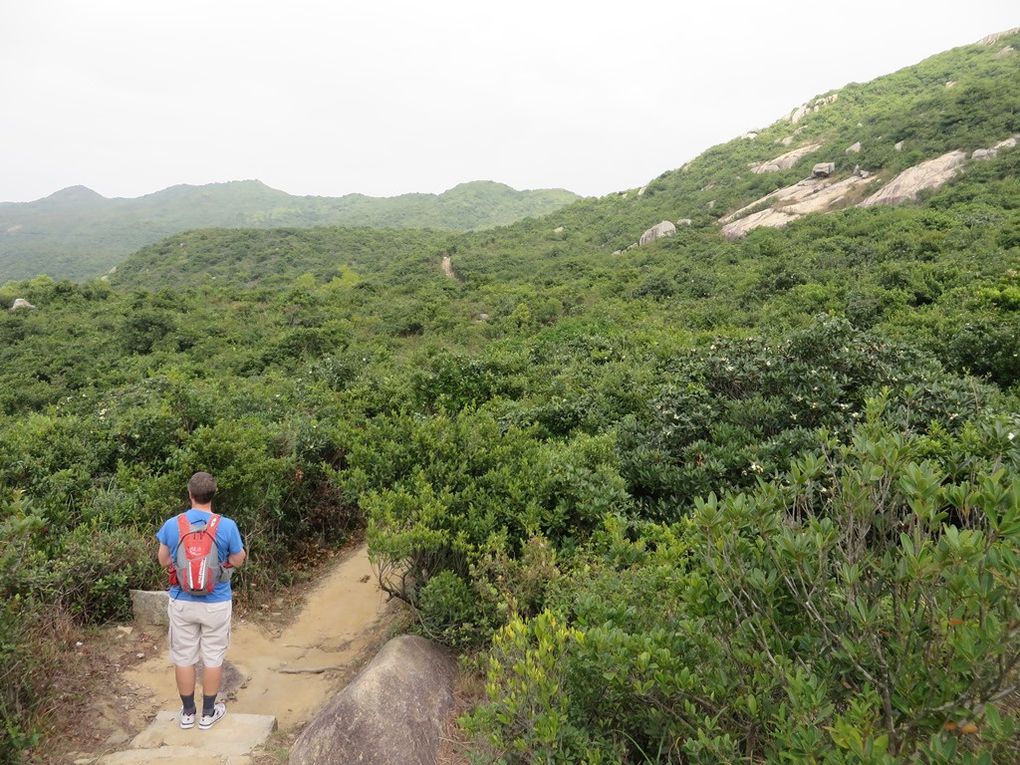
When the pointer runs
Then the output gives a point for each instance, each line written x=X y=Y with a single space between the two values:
x=199 y=630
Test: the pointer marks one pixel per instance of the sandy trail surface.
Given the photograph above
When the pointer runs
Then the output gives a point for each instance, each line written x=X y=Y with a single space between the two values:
x=291 y=674
x=448 y=268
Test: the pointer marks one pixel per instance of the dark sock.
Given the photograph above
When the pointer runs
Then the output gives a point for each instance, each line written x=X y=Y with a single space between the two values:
x=208 y=702
x=189 y=703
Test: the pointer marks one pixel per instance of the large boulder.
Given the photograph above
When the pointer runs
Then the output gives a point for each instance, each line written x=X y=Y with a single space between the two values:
x=394 y=711
x=21 y=303
x=906 y=186
x=659 y=230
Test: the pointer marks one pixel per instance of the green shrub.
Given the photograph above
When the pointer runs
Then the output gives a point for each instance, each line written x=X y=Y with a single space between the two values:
x=861 y=607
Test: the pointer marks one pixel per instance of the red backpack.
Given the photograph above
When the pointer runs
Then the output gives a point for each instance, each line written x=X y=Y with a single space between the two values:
x=197 y=560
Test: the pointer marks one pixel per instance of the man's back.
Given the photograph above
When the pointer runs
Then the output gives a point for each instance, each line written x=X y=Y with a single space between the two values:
x=228 y=542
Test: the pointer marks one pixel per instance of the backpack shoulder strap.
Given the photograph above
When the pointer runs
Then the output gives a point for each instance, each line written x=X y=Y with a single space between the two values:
x=183 y=529
x=212 y=525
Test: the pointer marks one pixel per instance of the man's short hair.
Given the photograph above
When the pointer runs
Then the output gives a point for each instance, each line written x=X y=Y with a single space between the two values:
x=202 y=487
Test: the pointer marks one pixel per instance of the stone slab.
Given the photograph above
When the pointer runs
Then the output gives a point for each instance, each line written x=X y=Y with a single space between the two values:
x=235 y=734
x=167 y=755
x=149 y=606
x=173 y=755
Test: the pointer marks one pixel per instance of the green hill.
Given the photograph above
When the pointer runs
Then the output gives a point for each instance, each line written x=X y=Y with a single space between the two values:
x=711 y=499
x=899 y=120
x=76 y=233
x=275 y=257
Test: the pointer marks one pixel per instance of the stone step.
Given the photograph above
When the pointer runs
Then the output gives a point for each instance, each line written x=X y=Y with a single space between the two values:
x=173 y=755
x=228 y=742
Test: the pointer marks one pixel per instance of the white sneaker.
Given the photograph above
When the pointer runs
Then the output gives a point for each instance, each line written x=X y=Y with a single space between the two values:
x=187 y=721
x=208 y=721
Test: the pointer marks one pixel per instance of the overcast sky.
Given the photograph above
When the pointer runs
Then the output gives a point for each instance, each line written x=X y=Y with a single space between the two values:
x=330 y=97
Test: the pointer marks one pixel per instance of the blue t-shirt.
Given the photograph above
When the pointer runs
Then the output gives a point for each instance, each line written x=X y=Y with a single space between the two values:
x=228 y=542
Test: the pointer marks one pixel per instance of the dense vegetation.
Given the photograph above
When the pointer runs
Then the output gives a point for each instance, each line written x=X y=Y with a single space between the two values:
x=702 y=502
x=76 y=233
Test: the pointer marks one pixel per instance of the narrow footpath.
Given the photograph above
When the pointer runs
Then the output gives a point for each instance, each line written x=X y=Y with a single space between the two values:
x=280 y=680
x=448 y=269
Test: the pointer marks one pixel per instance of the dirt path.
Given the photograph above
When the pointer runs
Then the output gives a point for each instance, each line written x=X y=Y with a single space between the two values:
x=292 y=673
x=448 y=269
x=340 y=619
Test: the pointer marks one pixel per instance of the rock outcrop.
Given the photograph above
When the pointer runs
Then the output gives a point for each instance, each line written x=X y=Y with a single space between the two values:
x=994 y=38
x=993 y=152
x=21 y=303
x=854 y=148
x=823 y=169
x=906 y=186
x=394 y=711
x=785 y=161
x=788 y=204
x=811 y=106
x=659 y=230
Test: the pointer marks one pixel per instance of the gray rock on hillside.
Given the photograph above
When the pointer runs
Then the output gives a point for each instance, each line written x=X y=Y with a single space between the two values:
x=785 y=161
x=811 y=106
x=787 y=205
x=993 y=152
x=854 y=148
x=659 y=230
x=393 y=712
x=994 y=38
x=21 y=303
x=906 y=186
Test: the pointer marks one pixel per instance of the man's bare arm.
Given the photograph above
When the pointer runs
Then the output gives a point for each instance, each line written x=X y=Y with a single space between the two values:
x=165 y=559
x=236 y=559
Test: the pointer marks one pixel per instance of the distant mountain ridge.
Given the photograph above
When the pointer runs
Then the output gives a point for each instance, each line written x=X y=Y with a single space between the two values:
x=76 y=232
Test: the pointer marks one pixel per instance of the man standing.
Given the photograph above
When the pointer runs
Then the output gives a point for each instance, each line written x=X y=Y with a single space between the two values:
x=200 y=621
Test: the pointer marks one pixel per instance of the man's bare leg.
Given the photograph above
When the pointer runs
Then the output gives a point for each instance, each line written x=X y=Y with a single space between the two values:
x=211 y=678
x=186 y=680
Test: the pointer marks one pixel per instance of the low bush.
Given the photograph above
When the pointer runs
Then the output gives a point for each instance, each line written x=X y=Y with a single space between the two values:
x=860 y=608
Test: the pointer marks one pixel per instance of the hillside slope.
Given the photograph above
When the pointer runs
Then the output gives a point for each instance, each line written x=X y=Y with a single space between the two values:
x=76 y=233
x=966 y=99
x=960 y=108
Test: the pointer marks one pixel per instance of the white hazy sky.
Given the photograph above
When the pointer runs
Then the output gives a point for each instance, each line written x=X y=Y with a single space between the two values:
x=384 y=97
